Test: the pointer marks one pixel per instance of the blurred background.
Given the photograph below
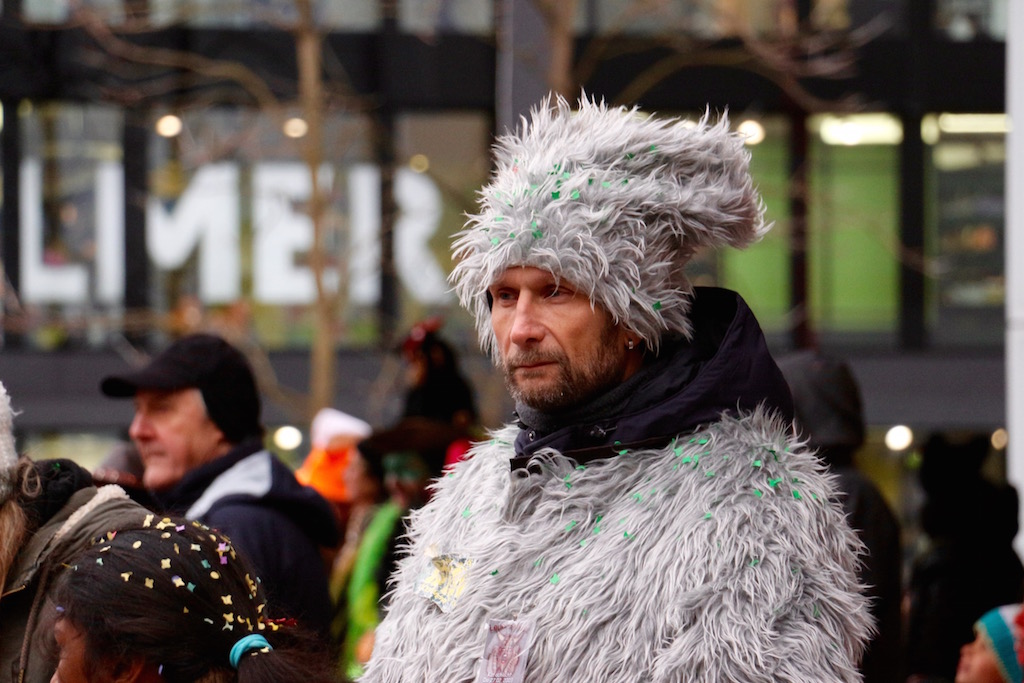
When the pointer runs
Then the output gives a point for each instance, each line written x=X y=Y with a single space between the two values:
x=289 y=173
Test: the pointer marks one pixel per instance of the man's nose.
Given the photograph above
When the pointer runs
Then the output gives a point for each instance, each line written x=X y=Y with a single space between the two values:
x=527 y=327
x=139 y=427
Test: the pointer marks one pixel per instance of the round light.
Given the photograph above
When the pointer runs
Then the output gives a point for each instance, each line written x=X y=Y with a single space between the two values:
x=752 y=130
x=295 y=128
x=419 y=163
x=288 y=438
x=999 y=439
x=899 y=438
x=168 y=125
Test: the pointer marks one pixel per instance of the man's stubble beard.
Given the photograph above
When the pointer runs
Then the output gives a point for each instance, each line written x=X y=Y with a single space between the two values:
x=573 y=385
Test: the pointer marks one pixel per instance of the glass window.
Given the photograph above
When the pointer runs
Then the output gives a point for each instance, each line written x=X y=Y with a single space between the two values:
x=852 y=237
x=966 y=283
x=446 y=16
x=447 y=159
x=965 y=20
x=760 y=273
x=706 y=18
x=72 y=223
x=853 y=227
x=229 y=230
x=59 y=11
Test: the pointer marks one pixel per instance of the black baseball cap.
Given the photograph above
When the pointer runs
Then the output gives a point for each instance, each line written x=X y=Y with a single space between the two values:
x=210 y=364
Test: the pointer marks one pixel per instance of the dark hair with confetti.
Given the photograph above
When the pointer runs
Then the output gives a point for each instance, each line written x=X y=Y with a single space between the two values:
x=176 y=596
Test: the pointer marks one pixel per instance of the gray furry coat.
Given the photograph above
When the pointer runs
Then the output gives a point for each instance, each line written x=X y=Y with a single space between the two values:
x=722 y=555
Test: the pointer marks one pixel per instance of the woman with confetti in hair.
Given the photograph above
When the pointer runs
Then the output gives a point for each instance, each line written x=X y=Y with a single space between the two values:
x=172 y=602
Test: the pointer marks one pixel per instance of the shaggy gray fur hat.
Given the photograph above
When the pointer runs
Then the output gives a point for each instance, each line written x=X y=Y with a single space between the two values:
x=615 y=202
x=8 y=456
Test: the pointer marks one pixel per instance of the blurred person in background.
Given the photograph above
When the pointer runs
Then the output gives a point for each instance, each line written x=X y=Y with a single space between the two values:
x=171 y=601
x=830 y=415
x=992 y=657
x=334 y=436
x=49 y=510
x=436 y=388
x=390 y=472
x=967 y=564
x=197 y=427
x=123 y=466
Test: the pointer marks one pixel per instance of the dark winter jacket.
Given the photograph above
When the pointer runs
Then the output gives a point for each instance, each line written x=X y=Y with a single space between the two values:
x=280 y=525
x=726 y=368
x=67 y=515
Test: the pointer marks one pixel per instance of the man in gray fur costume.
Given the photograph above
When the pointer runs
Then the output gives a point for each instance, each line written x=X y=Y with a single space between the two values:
x=651 y=516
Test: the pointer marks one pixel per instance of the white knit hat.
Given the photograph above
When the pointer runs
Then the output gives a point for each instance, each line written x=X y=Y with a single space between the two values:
x=8 y=456
x=329 y=423
x=616 y=203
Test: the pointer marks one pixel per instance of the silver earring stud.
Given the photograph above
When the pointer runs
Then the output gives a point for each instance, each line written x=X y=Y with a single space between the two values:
x=629 y=344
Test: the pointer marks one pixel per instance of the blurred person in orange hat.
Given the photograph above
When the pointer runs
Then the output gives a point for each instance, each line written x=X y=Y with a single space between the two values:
x=334 y=435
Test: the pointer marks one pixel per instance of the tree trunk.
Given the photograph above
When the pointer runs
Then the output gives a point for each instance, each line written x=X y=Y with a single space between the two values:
x=322 y=367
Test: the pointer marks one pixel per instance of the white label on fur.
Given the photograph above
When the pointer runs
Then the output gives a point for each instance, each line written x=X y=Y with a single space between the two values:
x=506 y=651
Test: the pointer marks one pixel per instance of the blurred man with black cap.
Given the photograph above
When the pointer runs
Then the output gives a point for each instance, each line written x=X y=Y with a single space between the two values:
x=197 y=427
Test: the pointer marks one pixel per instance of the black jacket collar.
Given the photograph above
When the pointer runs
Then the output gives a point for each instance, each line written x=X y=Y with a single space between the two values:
x=726 y=368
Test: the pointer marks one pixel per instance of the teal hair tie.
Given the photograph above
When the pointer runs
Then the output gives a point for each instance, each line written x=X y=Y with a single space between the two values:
x=245 y=644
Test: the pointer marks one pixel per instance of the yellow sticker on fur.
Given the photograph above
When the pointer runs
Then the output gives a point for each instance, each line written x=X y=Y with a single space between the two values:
x=444 y=580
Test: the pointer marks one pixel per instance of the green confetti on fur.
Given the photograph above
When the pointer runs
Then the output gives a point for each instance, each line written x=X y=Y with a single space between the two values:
x=494 y=241
x=656 y=305
x=571 y=525
x=757 y=463
x=774 y=482
x=554 y=579
x=754 y=562
x=537 y=234
x=796 y=494
x=628 y=536
x=575 y=194
x=707 y=515
x=494 y=573
x=467 y=512
x=537 y=562
x=758 y=493
x=709 y=473
x=556 y=194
